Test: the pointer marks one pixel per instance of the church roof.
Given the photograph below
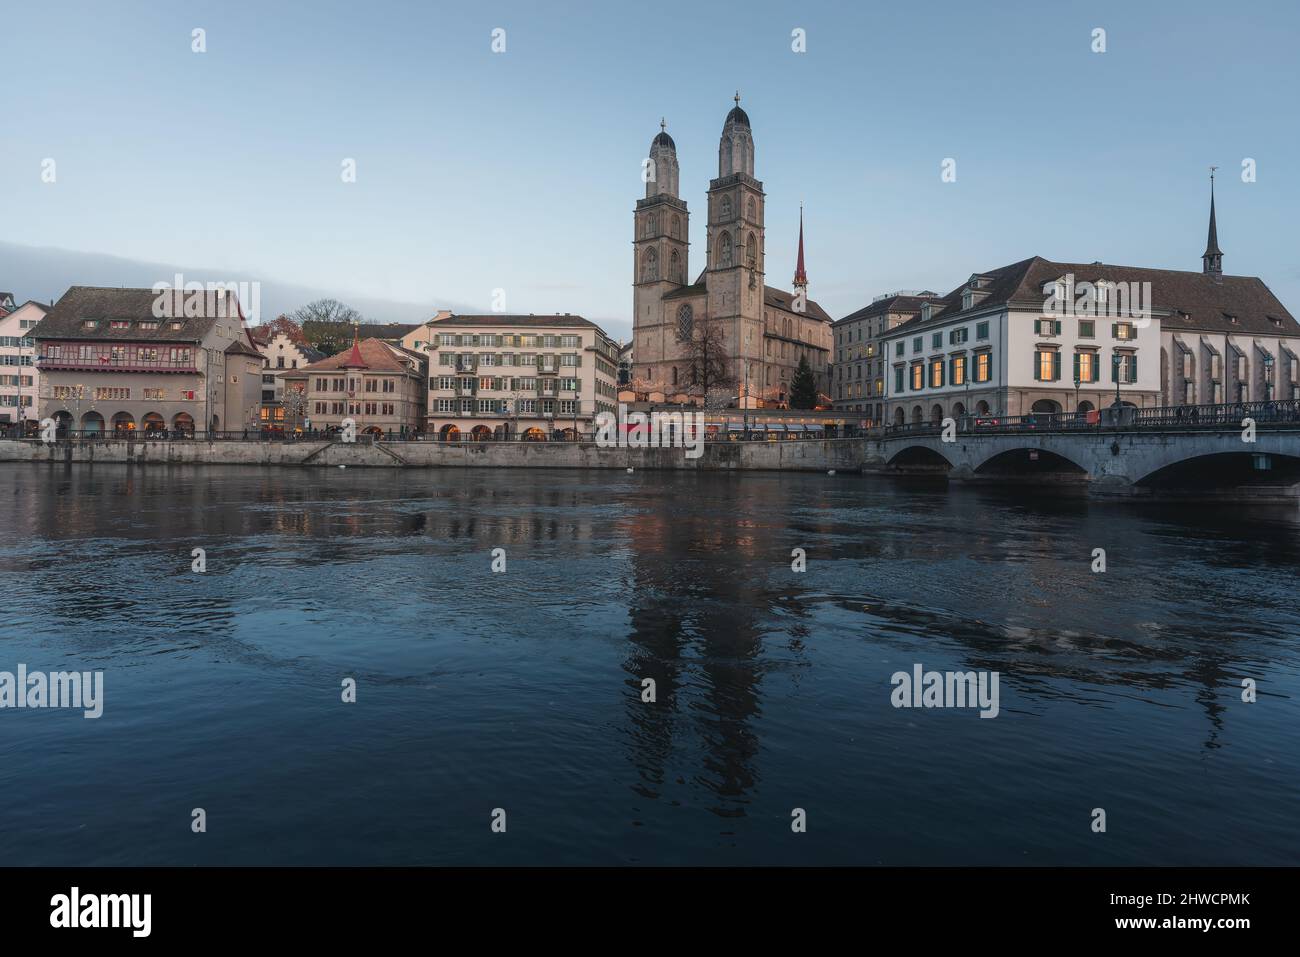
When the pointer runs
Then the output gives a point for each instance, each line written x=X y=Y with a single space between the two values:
x=663 y=139
x=737 y=116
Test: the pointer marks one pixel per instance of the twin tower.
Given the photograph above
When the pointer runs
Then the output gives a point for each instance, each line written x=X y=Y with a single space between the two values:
x=730 y=288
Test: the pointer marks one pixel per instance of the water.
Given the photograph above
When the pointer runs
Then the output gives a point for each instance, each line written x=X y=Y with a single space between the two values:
x=522 y=690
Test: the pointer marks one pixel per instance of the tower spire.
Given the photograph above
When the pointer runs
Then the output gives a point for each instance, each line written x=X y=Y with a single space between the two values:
x=800 y=276
x=1212 y=259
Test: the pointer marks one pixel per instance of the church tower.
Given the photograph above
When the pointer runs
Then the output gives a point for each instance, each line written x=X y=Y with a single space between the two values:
x=735 y=267
x=1212 y=258
x=660 y=244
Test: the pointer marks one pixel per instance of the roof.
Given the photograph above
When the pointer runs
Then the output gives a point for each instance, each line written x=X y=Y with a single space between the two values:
x=66 y=319
x=737 y=116
x=378 y=356
x=663 y=139
x=239 y=347
x=772 y=296
x=1194 y=300
x=899 y=302
x=501 y=319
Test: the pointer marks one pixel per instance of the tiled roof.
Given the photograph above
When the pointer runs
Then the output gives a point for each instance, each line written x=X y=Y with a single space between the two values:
x=67 y=318
x=501 y=319
x=1196 y=301
x=378 y=355
x=896 y=303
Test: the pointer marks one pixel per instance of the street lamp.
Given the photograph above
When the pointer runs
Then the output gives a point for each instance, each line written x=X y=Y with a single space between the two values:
x=1077 y=382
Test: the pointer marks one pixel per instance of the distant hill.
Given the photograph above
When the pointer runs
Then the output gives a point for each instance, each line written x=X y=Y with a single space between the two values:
x=45 y=273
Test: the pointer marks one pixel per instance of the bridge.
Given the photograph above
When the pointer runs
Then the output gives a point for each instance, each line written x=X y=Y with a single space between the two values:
x=1235 y=451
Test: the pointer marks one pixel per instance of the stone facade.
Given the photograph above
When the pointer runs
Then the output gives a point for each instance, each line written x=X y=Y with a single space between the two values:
x=764 y=331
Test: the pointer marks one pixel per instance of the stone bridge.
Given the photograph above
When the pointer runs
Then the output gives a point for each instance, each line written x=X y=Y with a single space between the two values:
x=1213 y=462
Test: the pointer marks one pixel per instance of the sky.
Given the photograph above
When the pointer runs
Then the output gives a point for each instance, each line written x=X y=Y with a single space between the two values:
x=519 y=170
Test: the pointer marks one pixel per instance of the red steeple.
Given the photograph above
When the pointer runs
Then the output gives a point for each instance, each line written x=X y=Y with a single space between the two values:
x=800 y=277
x=354 y=360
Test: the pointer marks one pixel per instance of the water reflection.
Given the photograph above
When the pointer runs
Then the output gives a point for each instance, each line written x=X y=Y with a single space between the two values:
x=771 y=685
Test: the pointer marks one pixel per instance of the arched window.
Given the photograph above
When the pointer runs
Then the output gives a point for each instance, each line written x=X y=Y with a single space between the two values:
x=674 y=375
x=685 y=323
x=651 y=225
x=750 y=210
x=650 y=266
x=675 y=267
x=724 y=250
x=725 y=207
x=751 y=251
x=677 y=226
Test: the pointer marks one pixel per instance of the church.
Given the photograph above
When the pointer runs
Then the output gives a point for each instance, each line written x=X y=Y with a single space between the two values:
x=764 y=331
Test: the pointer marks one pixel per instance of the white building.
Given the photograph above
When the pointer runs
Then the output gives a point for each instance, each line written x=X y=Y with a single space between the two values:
x=280 y=352
x=19 y=377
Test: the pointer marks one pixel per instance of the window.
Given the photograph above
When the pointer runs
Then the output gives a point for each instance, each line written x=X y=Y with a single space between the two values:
x=898 y=378
x=958 y=336
x=918 y=377
x=981 y=330
x=119 y=324
x=957 y=370
x=1087 y=329
x=918 y=343
x=898 y=348
x=1049 y=327
x=983 y=366
x=1085 y=366
x=1123 y=368
x=936 y=341
x=1047 y=365
x=936 y=373
x=1123 y=330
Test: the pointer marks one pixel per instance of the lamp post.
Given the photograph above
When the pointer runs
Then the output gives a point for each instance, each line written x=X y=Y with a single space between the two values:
x=1077 y=383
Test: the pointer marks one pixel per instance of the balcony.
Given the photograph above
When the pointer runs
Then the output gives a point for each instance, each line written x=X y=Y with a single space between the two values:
x=101 y=363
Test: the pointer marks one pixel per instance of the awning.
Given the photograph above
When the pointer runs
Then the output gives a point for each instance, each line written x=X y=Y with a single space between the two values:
x=815 y=428
x=735 y=427
x=794 y=427
x=774 y=427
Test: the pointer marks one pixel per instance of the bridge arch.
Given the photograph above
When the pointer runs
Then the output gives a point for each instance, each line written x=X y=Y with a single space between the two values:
x=1031 y=462
x=1233 y=469
x=919 y=458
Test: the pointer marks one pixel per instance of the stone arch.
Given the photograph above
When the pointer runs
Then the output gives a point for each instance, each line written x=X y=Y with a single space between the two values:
x=724 y=250
x=675 y=267
x=917 y=415
x=650 y=265
x=123 y=422
x=724 y=209
x=899 y=416
x=92 y=423
x=981 y=407
x=936 y=414
x=676 y=227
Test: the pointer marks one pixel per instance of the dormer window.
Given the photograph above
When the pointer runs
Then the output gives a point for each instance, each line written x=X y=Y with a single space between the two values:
x=89 y=323
x=175 y=326
x=1276 y=321
x=1231 y=318
x=149 y=324
x=927 y=310
x=119 y=324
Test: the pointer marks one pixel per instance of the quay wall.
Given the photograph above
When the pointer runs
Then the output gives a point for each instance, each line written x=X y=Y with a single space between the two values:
x=803 y=455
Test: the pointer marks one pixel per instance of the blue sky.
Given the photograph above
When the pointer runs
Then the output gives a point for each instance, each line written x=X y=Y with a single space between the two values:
x=519 y=170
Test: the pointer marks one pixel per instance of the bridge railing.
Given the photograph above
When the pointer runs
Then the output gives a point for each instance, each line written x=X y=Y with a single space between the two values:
x=1282 y=413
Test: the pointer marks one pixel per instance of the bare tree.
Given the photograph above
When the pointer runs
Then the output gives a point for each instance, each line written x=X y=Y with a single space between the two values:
x=325 y=323
x=708 y=369
x=295 y=402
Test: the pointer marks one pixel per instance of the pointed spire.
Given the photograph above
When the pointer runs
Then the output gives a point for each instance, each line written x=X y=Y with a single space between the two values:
x=354 y=358
x=800 y=276
x=1212 y=259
